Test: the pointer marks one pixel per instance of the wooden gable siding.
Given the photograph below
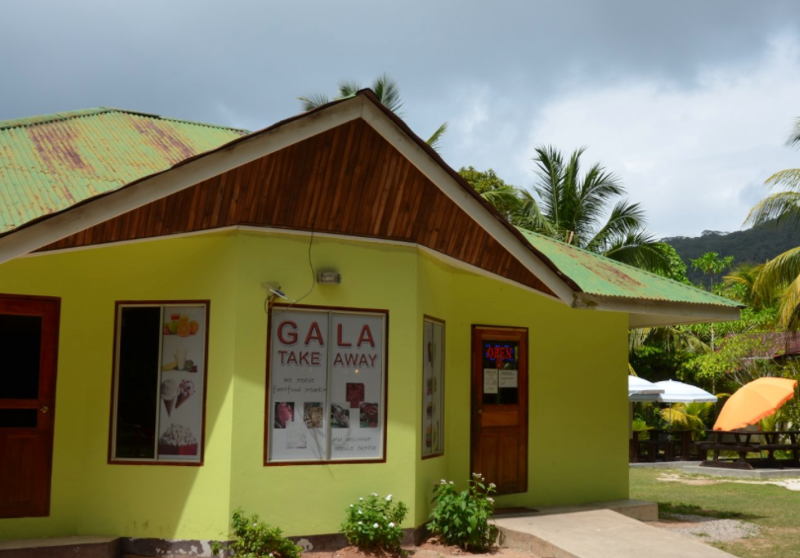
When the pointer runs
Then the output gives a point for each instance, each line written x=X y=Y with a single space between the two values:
x=348 y=180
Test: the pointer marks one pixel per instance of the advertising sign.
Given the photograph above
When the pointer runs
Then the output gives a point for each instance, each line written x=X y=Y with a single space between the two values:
x=327 y=382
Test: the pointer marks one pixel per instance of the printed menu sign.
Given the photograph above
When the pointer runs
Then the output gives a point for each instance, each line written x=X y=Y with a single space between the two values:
x=326 y=393
x=433 y=388
x=183 y=368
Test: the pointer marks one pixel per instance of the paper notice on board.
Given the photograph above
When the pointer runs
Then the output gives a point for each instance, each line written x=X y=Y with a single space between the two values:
x=508 y=378
x=489 y=380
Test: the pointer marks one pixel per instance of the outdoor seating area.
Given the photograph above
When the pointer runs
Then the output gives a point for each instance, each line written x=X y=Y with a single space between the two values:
x=663 y=445
x=730 y=449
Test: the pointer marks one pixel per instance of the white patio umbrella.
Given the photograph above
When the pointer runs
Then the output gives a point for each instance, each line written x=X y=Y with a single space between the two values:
x=678 y=392
x=640 y=389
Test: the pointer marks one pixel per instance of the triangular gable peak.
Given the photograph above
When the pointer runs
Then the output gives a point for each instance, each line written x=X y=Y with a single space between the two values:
x=347 y=180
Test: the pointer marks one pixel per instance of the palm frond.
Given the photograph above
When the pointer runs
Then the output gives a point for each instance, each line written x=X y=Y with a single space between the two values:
x=794 y=137
x=780 y=271
x=625 y=218
x=530 y=216
x=780 y=206
x=388 y=92
x=641 y=250
x=505 y=196
x=789 y=306
x=434 y=140
x=348 y=88
x=313 y=101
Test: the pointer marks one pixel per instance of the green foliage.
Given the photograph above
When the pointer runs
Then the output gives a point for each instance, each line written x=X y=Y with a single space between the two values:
x=504 y=197
x=462 y=518
x=374 y=523
x=255 y=539
x=689 y=416
x=386 y=90
x=579 y=208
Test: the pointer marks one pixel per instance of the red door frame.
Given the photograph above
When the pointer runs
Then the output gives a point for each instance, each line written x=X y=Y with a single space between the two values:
x=49 y=308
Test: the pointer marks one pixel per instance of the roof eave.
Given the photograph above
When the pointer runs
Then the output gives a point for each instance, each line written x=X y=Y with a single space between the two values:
x=658 y=313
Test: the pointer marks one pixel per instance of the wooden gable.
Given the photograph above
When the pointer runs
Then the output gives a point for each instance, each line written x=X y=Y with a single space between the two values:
x=348 y=180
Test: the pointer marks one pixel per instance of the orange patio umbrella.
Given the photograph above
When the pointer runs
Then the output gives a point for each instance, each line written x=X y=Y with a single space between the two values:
x=755 y=401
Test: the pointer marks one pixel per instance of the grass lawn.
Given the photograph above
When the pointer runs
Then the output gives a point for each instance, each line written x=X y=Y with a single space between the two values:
x=776 y=510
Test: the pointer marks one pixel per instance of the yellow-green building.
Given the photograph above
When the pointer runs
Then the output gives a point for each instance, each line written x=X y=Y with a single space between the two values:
x=196 y=319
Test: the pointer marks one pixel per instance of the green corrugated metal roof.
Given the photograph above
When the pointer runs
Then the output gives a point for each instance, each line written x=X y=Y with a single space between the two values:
x=598 y=275
x=49 y=163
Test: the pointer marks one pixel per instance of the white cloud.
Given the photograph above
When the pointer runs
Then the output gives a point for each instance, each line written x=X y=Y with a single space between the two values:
x=692 y=156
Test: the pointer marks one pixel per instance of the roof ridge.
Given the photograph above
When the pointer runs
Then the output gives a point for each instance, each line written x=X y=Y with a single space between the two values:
x=692 y=288
x=80 y=113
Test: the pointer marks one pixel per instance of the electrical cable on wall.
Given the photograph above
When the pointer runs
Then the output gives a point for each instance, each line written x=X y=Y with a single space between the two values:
x=270 y=300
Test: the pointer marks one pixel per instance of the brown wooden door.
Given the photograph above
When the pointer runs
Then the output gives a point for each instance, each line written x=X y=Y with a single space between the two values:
x=500 y=407
x=28 y=351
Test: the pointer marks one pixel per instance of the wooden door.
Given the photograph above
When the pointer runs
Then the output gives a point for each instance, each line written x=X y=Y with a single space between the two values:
x=28 y=351
x=500 y=407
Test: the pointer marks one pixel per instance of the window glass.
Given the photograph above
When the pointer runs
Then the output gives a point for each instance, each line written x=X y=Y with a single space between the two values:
x=160 y=382
x=326 y=399
x=20 y=345
x=500 y=364
x=432 y=388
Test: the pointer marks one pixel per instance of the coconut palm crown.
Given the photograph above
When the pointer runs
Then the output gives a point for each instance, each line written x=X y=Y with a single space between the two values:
x=584 y=209
x=782 y=272
x=386 y=90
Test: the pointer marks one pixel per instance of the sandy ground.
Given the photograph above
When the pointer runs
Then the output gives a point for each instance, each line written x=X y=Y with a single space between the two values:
x=789 y=484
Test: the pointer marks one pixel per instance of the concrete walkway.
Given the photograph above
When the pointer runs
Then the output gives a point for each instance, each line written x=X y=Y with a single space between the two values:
x=597 y=534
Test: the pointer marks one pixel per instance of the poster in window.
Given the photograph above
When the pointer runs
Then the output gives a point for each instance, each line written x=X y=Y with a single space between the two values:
x=433 y=388
x=326 y=392
x=299 y=385
x=183 y=368
x=356 y=378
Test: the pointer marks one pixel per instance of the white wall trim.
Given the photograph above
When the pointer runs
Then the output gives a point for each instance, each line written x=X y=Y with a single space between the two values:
x=272 y=231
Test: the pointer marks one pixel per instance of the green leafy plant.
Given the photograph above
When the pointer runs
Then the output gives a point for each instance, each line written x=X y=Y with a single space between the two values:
x=462 y=518
x=255 y=539
x=374 y=523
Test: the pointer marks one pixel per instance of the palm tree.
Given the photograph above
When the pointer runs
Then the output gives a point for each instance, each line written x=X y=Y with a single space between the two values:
x=387 y=91
x=576 y=207
x=782 y=272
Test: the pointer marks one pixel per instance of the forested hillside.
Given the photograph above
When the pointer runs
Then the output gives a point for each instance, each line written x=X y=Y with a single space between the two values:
x=754 y=245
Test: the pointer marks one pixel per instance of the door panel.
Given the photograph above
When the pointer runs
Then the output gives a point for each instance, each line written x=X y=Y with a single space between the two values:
x=500 y=407
x=29 y=345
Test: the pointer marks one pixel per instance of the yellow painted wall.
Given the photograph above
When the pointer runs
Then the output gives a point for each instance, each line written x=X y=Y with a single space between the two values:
x=578 y=425
x=312 y=498
x=88 y=495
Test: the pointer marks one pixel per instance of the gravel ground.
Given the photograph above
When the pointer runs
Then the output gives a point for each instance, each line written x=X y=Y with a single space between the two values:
x=707 y=528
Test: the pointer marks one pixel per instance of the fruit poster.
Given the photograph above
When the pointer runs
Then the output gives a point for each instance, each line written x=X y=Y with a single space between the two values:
x=432 y=388
x=183 y=368
x=326 y=395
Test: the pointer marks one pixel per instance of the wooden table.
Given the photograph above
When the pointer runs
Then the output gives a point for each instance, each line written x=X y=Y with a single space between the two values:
x=750 y=441
x=676 y=445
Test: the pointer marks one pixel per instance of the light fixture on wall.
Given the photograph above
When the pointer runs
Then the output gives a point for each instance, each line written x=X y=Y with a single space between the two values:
x=328 y=277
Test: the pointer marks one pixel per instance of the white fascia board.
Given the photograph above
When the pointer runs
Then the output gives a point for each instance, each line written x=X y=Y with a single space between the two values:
x=654 y=313
x=392 y=133
x=174 y=180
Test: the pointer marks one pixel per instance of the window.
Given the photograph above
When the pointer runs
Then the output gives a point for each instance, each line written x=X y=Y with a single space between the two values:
x=432 y=387
x=326 y=384
x=158 y=410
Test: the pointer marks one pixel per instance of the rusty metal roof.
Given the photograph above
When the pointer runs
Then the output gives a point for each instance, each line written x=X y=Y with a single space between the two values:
x=49 y=163
x=597 y=275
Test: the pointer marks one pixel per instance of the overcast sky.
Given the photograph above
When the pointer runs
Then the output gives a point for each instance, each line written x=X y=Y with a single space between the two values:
x=690 y=102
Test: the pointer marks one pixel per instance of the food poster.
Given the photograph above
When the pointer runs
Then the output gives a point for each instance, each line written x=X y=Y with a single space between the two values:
x=298 y=386
x=183 y=369
x=356 y=386
x=433 y=388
